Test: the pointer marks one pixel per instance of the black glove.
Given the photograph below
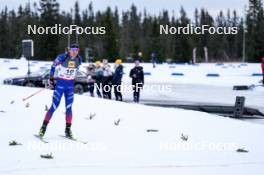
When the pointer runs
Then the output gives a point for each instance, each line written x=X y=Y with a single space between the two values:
x=52 y=81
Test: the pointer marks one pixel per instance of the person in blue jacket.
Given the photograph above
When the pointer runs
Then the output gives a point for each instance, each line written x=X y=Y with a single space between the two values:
x=68 y=64
x=117 y=79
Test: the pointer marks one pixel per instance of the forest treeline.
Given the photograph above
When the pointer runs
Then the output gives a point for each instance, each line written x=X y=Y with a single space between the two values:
x=131 y=32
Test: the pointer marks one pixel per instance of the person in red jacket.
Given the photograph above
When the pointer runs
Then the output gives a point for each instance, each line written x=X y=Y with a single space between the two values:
x=262 y=67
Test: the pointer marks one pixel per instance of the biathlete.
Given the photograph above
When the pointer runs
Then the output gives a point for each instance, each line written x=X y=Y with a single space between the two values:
x=68 y=63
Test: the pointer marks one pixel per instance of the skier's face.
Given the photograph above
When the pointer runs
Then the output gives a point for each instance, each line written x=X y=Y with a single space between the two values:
x=74 y=52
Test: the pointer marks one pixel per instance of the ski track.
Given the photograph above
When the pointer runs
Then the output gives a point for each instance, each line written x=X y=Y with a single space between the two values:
x=129 y=167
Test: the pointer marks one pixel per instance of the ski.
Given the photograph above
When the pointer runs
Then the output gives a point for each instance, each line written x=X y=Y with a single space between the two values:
x=74 y=139
x=41 y=138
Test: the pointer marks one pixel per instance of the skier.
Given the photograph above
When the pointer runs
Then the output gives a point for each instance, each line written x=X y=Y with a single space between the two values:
x=262 y=67
x=68 y=64
x=117 y=79
x=137 y=75
x=90 y=73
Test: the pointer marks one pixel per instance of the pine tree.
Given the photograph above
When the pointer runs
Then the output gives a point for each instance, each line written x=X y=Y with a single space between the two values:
x=134 y=31
x=110 y=43
x=255 y=34
x=49 y=16
x=4 y=34
x=184 y=44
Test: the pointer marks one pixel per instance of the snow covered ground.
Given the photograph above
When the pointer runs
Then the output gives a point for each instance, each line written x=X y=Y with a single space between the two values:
x=126 y=147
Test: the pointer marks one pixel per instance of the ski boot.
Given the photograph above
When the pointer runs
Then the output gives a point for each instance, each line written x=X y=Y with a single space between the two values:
x=68 y=132
x=43 y=129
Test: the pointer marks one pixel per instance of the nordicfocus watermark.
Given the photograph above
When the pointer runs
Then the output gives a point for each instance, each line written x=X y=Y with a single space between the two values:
x=58 y=29
x=149 y=88
x=66 y=146
x=197 y=146
x=190 y=29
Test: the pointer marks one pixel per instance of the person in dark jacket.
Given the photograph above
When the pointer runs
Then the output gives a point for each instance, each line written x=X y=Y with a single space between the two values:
x=153 y=59
x=117 y=79
x=98 y=78
x=262 y=67
x=137 y=75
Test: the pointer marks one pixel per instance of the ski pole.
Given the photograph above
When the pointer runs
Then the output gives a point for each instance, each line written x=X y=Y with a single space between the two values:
x=24 y=99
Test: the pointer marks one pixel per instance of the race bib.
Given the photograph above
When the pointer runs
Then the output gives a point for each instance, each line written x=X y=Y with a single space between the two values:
x=67 y=73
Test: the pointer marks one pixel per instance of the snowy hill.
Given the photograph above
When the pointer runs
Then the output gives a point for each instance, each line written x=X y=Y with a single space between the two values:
x=124 y=138
x=126 y=148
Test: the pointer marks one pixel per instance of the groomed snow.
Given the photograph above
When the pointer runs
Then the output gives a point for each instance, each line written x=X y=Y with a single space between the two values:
x=126 y=148
x=229 y=73
x=188 y=88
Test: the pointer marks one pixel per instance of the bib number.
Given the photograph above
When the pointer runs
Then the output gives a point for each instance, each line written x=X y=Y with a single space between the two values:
x=70 y=72
x=67 y=73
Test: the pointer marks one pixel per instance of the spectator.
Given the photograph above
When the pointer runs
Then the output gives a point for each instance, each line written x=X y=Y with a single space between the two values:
x=153 y=59
x=117 y=79
x=90 y=73
x=137 y=75
x=98 y=78
x=262 y=67
x=107 y=79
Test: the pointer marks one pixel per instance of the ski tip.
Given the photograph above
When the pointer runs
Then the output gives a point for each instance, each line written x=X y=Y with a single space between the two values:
x=37 y=135
x=40 y=138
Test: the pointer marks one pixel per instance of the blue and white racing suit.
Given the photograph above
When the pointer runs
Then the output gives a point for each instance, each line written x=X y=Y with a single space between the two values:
x=67 y=69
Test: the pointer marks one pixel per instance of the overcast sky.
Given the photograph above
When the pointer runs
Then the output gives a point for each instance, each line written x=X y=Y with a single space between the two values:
x=152 y=6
